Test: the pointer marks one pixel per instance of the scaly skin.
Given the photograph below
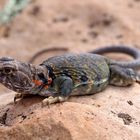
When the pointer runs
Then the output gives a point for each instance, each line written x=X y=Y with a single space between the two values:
x=62 y=76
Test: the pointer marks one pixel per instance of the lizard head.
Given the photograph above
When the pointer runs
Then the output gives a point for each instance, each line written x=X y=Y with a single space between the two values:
x=19 y=76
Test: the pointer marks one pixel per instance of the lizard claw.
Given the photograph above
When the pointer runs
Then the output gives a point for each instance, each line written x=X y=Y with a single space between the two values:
x=15 y=100
x=44 y=105
x=17 y=96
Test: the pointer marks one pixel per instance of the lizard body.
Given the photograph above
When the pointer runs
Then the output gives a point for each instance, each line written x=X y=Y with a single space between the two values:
x=88 y=72
x=59 y=77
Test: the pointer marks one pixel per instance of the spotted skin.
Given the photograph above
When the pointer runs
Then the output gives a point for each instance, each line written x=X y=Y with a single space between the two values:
x=60 y=77
x=88 y=72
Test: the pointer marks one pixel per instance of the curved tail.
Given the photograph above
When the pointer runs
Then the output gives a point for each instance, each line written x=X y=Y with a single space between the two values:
x=134 y=52
x=39 y=53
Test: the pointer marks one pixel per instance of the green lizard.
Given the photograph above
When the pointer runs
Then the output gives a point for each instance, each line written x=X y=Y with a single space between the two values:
x=60 y=77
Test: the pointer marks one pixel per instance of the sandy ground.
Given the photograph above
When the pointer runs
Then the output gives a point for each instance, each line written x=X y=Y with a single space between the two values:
x=81 y=26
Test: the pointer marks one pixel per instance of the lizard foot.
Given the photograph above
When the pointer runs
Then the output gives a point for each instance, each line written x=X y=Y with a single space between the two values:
x=135 y=76
x=17 y=96
x=52 y=100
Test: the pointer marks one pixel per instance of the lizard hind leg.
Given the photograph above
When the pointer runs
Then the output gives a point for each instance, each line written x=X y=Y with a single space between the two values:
x=120 y=76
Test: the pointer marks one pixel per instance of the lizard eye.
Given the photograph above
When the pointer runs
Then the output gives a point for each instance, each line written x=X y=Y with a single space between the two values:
x=7 y=70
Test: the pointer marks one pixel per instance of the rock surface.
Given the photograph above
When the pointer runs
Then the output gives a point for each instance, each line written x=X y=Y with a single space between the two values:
x=81 y=26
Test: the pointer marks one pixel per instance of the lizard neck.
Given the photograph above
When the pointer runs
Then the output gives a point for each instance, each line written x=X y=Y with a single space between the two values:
x=40 y=78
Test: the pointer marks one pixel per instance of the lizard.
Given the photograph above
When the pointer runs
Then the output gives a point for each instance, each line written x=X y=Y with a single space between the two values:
x=60 y=77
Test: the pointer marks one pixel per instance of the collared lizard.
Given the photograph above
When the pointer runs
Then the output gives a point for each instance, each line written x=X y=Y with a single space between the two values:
x=60 y=77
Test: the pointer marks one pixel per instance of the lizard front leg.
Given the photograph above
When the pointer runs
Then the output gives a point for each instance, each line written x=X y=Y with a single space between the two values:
x=52 y=100
x=19 y=96
x=64 y=86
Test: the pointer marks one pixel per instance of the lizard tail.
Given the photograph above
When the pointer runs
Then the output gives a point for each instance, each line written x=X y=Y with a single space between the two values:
x=39 y=53
x=134 y=52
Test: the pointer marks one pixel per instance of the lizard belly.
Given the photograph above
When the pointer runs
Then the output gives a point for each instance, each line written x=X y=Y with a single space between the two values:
x=90 y=88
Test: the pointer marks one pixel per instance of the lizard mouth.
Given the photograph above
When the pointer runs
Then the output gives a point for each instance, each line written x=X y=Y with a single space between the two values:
x=16 y=75
x=17 y=81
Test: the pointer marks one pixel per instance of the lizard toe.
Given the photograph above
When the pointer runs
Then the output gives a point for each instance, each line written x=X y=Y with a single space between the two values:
x=17 y=96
